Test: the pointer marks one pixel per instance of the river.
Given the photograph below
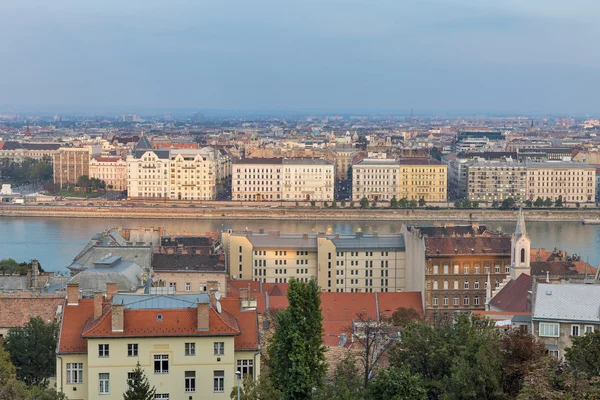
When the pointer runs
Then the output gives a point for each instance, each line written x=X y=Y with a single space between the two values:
x=55 y=241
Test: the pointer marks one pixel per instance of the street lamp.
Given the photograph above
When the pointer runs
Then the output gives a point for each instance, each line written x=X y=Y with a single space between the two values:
x=239 y=378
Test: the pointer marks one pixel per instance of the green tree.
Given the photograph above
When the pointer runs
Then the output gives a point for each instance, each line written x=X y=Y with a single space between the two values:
x=351 y=204
x=325 y=204
x=343 y=204
x=495 y=204
x=521 y=351
x=538 y=203
x=138 y=386
x=32 y=351
x=396 y=384
x=475 y=204
x=261 y=388
x=345 y=383
x=313 y=203
x=402 y=316
x=374 y=204
x=296 y=352
x=83 y=181
x=412 y=204
x=508 y=203
x=458 y=204
x=422 y=202
x=528 y=203
x=334 y=204
x=364 y=202
x=559 y=202
x=8 y=266
x=436 y=153
x=584 y=353
x=403 y=202
x=548 y=202
x=393 y=202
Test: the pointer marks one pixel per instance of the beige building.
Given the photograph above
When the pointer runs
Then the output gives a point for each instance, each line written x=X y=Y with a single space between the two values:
x=196 y=173
x=574 y=182
x=111 y=170
x=496 y=181
x=344 y=155
x=69 y=164
x=412 y=179
x=283 y=179
x=340 y=263
x=189 y=346
x=20 y=151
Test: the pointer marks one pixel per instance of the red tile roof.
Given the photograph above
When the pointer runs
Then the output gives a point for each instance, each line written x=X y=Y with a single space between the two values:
x=17 y=310
x=176 y=145
x=514 y=296
x=107 y=159
x=391 y=301
x=274 y=289
x=446 y=246
x=78 y=324
x=1 y=144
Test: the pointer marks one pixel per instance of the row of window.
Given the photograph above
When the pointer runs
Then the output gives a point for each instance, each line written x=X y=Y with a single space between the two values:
x=553 y=330
x=456 y=301
x=189 y=349
x=466 y=269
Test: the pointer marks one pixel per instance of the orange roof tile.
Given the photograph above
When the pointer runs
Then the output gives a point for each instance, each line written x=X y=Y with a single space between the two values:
x=17 y=310
x=248 y=324
x=1 y=144
x=345 y=306
x=391 y=301
x=74 y=319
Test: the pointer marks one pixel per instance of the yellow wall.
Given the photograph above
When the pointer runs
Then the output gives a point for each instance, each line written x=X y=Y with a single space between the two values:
x=118 y=364
x=73 y=391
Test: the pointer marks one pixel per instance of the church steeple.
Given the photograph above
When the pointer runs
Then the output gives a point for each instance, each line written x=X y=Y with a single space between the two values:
x=520 y=249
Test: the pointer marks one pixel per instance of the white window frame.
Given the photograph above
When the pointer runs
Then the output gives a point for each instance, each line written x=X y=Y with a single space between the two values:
x=103 y=350
x=573 y=327
x=190 y=349
x=104 y=383
x=132 y=349
x=246 y=367
x=188 y=286
x=74 y=373
x=545 y=326
x=219 y=348
x=553 y=353
x=190 y=381
x=161 y=396
x=435 y=269
x=588 y=329
x=161 y=358
x=435 y=300
x=218 y=381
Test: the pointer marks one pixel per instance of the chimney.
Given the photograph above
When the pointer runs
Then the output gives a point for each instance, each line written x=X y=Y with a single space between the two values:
x=98 y=298
x=72 y=294
x=118 y=317
x=111 y=289
x=202 y=312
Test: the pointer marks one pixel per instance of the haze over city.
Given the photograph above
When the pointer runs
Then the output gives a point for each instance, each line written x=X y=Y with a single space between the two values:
x=534 y=57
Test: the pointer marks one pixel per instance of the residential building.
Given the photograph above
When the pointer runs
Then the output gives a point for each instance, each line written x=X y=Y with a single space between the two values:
x=189 y=346
x=18 y=309
x=376 y=179
x=148 y=173
x=189 y=273
x=20 y=151
x=282 y=179
x=572 y=182
x=496 y=181
x=340 y=263
x=563 y=311
x=111 y=170
x=410 y=178
x=69 y=164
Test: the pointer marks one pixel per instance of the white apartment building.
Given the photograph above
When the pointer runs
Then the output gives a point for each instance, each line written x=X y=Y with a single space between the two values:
x=148 y=174
x=196 y=173
x=574 y=182
x=376 y=179
x=111 y=170
x=277 y=179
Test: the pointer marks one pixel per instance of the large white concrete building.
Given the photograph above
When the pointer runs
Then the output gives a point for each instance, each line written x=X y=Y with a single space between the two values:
x=279 y=179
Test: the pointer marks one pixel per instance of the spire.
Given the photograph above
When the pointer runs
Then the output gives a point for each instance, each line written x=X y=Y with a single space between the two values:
x=520 y=229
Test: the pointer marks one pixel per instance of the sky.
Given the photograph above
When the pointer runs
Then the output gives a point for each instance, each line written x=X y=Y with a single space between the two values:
x=432 y=56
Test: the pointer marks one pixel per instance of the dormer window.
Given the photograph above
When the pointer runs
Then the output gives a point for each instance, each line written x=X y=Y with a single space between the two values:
x=159 y=317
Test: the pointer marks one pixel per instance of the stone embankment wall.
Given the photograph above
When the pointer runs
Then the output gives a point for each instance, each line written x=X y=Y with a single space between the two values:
x=301 y=213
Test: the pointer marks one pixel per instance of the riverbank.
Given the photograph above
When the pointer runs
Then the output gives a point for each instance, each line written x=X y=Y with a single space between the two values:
x=301 y=213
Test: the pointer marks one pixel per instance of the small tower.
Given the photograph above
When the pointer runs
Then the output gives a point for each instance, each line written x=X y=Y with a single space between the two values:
x=520 y=246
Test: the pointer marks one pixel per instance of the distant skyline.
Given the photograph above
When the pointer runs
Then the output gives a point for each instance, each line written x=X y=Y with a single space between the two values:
x=531 y=57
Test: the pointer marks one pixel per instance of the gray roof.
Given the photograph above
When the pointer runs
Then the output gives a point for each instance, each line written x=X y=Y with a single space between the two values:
x=143 y=143
x=163 y=154
x=160 y=301
x=126 y=274
x=370 y=242
x=559 y=164
x=377 y=162
x=285 y=241
x=567 y=302
x=13 y=282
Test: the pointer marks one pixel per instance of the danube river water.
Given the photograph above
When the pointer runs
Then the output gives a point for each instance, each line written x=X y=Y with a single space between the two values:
x=55 y=241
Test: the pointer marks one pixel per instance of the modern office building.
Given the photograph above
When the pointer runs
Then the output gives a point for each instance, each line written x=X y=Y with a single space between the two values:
x=495 y=181
x=69 y=163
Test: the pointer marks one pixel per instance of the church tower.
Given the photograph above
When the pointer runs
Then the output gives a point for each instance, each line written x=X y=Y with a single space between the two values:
x=520 y=246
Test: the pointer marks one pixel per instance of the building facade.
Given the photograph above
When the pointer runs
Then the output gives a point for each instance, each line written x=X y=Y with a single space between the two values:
x=19 y=152
x=111 y=170
x=189 y=346
x=339 y=263
x=423 y=179
x=195 y=173
x=572 y=182
x=496 y=181
x=148 y=174
x=272 y=179
x=69 y=163
x=376 y=179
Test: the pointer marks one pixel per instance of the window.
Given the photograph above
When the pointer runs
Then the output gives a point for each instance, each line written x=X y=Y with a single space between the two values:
x=74 y=373
x=446 y=269
x=435 y=269
x=589 y=329
x=188 y=286
x=466 y=301
x=132 y=350
x=246 y=367
x=497 y=268
x=455 y=300
x=445 y=285
x=466 y=270
x=161 y=363
x=522 y=255
x=435 y=285
x=466 y=284
x=476 y=300
x=445 y=300
x=190 y=349
x=103 y=350
x=103 y=383
x=435 y=300
x=219 y=381
x=456 y=270
x=553 y=353
x=455 y=284
x=190 y=381
x=507 y=269
x=219 y=348
x=574 y=330
x=477 y=269
x=549 y=330
x=161 y=396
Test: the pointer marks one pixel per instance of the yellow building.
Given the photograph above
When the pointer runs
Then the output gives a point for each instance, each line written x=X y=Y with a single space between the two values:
x=340 y=263
x=423 y=178
x=189 y=346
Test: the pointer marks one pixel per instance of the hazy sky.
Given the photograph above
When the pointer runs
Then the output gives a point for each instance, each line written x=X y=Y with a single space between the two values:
x=529 y=56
